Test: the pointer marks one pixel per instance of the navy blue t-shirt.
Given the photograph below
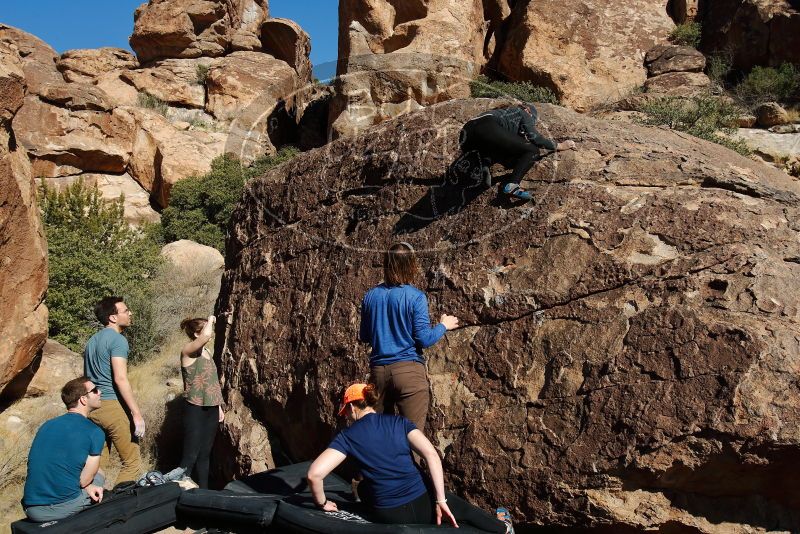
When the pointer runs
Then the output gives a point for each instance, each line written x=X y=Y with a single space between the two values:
x=57 y=457
x=379 y=443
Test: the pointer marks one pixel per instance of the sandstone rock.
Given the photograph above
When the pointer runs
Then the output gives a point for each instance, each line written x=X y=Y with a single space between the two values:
x=773 y=147
x=175 y=81
x=771 y=114
x=678 y=83
x=194 y=28
x=57 y=366
x=23 y=263
x=12 y=83
x=285 y=40
x=395 y=57
x=745 y=121
x=75 y=97
x=119 y=91
x=673 y=58
x=190 y=257
x=38 y=59
x=632 y=335
x=684 y=10
x=86 y=65
x=162 y=154
x=753 y=32
x=137 y=200
x=60 y=141
x=587 y=52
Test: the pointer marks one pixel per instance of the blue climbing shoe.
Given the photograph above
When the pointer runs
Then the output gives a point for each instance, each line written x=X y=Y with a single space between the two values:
x=514 y=190
x=504 y=515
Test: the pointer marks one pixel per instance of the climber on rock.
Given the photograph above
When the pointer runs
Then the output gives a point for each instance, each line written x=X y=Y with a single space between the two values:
x=395 y=321
x=509 y=133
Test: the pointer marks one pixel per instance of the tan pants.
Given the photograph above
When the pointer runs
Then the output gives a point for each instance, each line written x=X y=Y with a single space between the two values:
x=114 y=421
x=405 y=385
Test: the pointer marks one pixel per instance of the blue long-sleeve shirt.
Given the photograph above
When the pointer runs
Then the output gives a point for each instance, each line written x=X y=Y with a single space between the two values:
x=395 y=321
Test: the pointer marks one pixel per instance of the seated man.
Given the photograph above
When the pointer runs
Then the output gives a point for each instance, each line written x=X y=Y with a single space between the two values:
x=64 y=462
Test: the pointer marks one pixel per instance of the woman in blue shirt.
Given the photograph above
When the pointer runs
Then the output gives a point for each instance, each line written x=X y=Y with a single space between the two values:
x=393 y=485
x=395 y=321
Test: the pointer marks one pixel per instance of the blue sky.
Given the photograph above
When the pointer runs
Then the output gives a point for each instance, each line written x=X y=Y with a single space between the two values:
x=66 y=24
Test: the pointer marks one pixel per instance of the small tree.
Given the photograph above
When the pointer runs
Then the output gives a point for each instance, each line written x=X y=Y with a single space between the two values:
x=93 y=253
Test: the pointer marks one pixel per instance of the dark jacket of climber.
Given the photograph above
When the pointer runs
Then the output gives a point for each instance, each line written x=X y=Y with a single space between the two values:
x=509 y=134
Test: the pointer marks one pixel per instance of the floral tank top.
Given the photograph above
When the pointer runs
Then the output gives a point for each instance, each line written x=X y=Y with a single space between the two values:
x=201 y=382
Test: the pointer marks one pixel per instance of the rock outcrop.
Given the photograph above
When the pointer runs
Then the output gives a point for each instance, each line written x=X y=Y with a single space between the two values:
x=396 y=57
x=589 y=53
x=58 y=365
x=23 y=251
x=752 y=32
x=628 y=345
x=88 y=64
x=284 y=39
x=195 y=28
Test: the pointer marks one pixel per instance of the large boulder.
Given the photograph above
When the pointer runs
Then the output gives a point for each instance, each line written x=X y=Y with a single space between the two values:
x=673 y=58
x=37 y=58
x=57 y=366
x=194 y=28
x=588 y=52
x=284 y=39
x=178 y=82
x=628 y=345
x=752 y=32
x=63 y=142
x=395 y=57
x=87 y=64
x=23 y=251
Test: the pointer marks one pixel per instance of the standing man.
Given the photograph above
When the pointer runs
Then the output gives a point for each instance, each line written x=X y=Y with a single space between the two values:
x=105 y=362
x=64 y=474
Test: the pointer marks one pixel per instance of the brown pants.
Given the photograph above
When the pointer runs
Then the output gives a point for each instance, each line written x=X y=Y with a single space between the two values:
x=405 y=385
x=114 y=421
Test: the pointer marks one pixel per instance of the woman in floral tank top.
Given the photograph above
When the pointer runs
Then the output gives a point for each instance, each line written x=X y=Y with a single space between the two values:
x=203 y=409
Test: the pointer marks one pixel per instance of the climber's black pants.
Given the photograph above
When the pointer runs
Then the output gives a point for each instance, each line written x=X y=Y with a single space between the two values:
x=490 y=139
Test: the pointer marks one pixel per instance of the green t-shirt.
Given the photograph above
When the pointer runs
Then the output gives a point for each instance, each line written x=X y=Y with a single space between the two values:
x=104 y=345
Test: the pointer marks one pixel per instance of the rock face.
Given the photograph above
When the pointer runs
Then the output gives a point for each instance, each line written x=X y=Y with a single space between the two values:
x=86 y=65
x=57 y=366
x=23 y=251
x=628 y=345
x=587 y=52
x=195 y=28
x=753 y=32
x=673 y=58
x=395 y=57
x=285 y=40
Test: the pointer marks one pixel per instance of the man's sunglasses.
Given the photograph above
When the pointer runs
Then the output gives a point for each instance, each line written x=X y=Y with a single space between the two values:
x=94 y=390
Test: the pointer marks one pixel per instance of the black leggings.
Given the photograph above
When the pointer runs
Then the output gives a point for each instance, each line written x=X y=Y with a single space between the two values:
x=199 y=428
x=422 y=510
x=492 y=140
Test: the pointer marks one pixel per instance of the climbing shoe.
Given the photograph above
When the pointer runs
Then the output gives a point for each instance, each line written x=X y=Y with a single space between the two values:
x=514 y=190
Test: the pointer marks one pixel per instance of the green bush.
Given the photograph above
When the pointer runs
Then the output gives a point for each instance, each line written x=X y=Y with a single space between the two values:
x=148 y=101
x=200 y=207
x=706 y=117
x=767 y=84
x=687 y=34
x=718 y=68
x=483 y=87
x=92 y=253
x=202 y=73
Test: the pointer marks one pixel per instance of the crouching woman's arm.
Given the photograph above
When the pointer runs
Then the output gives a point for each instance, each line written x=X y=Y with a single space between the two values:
x=425 y=448
x=322 y=467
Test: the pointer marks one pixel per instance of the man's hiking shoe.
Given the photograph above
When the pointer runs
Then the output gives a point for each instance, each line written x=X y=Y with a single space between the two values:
x=504 y=515
x=175 y=474
x=514 y=190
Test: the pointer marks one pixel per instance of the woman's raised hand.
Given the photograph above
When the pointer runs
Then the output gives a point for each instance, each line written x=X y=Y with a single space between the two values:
x=450 y=322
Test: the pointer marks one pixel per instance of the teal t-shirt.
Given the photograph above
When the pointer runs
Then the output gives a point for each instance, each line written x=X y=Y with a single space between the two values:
x=57 y=457
x=102 y=346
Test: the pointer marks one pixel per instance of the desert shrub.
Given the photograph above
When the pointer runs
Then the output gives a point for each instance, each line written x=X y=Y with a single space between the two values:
x=202 y=73
x=93 y=253
x=200 y=207
x=706 y=117
x=687 y=34
x=483 y=87
x=718 y=68
x=148 y=101
x=767 y=84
